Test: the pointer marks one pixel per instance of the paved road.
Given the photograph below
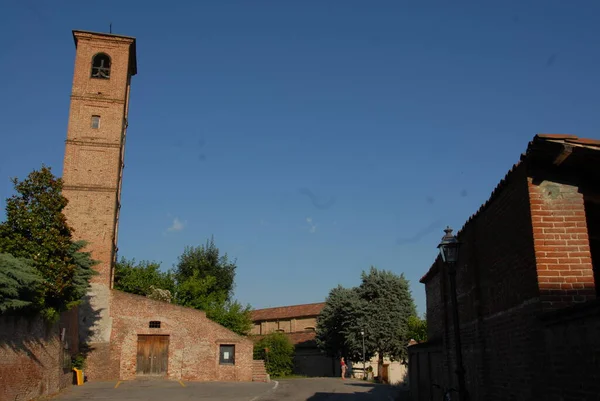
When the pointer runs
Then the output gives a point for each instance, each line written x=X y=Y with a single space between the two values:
x=329 y=389
x=317 y=389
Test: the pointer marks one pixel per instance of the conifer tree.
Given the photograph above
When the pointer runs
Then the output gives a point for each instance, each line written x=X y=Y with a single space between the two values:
x=18 y=280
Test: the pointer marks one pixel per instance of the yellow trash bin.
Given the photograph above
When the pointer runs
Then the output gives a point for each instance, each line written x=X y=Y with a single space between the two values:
x=78 y=376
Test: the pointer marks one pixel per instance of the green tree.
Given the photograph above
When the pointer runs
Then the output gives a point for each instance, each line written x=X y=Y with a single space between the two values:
x=202 y=262
x=36 y=229
x=18 y=280
x=388 y=306
x=380 y=307
x=142 y=278
x=205 y=281
x=278 y=353
x=199 y=292
x=417 y=329
x=232 y=315
x=340 y=323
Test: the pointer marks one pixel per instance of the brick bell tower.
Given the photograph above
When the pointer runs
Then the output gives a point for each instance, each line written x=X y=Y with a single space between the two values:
x=93 y=171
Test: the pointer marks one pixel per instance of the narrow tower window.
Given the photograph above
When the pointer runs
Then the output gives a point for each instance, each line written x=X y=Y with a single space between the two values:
x=96 y=122
x=101 y=66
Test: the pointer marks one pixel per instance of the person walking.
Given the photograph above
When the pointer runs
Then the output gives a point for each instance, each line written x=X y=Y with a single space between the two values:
x=343 y=366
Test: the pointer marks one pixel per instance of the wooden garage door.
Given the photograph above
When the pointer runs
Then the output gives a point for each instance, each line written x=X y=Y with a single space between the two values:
x=152 y=355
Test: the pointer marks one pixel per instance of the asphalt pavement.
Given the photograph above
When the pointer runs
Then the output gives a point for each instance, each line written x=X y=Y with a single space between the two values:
x=310 y=389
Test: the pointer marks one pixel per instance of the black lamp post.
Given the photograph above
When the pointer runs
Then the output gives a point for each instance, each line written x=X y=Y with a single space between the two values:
x=449 y=253
x=362 y=333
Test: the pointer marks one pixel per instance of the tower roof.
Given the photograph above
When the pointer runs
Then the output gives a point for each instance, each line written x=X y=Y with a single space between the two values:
x=109 y=36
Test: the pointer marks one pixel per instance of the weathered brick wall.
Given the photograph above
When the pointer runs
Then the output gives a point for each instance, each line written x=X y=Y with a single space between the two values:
x=31 y=356
x=562 y=247
x=193 y=340
x=435 y=307
x=498 y=298
x=572 y=361
x=524 y=254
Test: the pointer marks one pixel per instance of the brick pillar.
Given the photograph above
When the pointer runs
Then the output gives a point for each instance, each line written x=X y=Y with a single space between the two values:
x=562 y=248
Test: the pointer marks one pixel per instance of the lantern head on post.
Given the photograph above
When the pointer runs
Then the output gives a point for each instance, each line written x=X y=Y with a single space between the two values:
x=449 y=247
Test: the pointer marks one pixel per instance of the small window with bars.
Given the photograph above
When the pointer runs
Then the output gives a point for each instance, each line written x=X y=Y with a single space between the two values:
x=95 y=122
x=154 y=324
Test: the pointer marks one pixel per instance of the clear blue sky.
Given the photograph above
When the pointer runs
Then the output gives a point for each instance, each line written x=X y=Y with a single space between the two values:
x=313 y=139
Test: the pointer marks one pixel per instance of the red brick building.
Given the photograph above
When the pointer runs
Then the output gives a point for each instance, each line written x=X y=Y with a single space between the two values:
x=298 y=323
x=127 y=335
x=527 y=288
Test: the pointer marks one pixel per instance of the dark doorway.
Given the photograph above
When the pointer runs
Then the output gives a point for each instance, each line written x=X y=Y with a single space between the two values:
x=152 y=355
x=592 y=214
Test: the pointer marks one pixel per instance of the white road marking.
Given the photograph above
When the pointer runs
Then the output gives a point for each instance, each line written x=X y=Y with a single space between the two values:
x=268 y=391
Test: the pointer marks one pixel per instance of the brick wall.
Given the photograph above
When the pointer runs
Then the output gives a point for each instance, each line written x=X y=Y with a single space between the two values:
x=31 y=356
x=194 y=340
x=562 y=247
x=498 y=298
x=524 y=272
x=572 y=363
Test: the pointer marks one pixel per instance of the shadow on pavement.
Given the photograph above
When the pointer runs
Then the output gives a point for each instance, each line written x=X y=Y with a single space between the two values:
x=376 y=392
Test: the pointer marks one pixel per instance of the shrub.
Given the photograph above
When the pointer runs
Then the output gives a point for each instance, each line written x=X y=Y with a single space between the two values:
x=278 y=353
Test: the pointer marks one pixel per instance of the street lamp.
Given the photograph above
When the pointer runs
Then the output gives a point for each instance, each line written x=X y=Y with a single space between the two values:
x=362 y=333
x=449 y=253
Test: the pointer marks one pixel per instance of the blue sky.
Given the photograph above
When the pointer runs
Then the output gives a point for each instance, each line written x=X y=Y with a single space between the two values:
x=313 y=139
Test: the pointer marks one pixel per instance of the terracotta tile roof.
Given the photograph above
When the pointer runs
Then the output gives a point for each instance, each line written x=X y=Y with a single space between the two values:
x=573 y=139
x=299 y=339
x=287 y=312
x=537 y=145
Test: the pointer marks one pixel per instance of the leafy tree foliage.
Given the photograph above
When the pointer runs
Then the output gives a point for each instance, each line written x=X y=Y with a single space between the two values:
x=380 y=307
x=278 y=353
x=143 y=278
x=36 y=229
x=199 y=292
x=232 y=315
x=417 y=328
x=18 y=280
x=388 y=304
x=340 y=322
x=202 y=262
x=205 y=281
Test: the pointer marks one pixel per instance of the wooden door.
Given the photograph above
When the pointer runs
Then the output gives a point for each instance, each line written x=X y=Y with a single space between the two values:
x=152 y=355
x=385 y=374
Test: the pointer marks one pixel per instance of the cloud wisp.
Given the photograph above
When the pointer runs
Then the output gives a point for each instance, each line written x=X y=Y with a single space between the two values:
x=312 y=226
x=177 y=225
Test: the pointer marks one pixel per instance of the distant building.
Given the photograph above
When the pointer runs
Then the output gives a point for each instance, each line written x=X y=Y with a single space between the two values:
x=298 y=323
